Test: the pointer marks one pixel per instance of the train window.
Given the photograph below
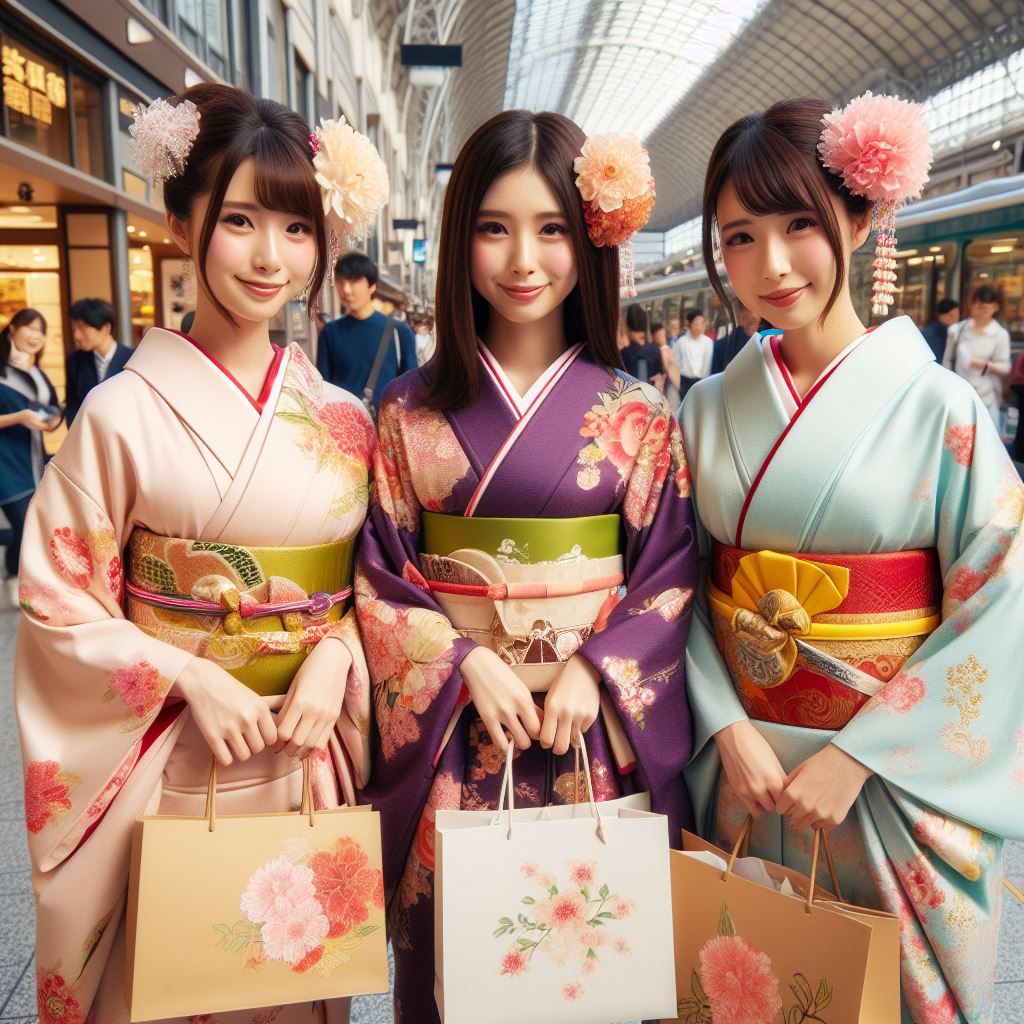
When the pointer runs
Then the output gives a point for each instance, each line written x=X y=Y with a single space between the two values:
x=999 y=260
x=923 y=277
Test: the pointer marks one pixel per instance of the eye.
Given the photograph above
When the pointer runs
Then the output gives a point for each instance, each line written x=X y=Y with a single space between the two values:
x=236 y=220
x=802 y=224
x=490 y=227
x=299 y=227
x=739 y=238
x=554 y=229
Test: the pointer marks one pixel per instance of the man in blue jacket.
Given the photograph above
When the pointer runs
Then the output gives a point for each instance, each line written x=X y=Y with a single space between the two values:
x=947 y=312
x=348 y=347
x=97 y=355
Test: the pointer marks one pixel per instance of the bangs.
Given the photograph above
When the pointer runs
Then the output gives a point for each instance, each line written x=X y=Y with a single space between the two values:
x=284 y=177
x=780 y=183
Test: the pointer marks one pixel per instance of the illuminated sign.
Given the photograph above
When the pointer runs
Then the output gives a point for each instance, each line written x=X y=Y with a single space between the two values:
x=29 y=88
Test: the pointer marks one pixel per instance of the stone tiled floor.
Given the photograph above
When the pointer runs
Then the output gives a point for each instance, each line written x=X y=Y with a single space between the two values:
x=17 y=994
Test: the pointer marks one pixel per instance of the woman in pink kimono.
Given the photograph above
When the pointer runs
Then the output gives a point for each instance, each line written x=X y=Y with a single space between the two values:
x=215 y=480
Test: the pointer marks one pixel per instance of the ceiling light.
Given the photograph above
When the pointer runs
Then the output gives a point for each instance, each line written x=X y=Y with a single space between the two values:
x=17 y=209
x=935 y=248
x=137 y=32
x=996 y=145
x=914 y=261
x=998 y=250
x=905 y=253
x=142 y=234
x=131 y=229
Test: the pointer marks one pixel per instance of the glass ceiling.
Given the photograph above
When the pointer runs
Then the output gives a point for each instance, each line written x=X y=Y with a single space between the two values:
x=617 y=67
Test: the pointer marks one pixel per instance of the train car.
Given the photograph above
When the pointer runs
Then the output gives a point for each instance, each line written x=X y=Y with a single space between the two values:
x=948 y=245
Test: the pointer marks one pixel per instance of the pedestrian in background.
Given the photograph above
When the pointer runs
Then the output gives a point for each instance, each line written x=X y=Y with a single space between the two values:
x=947 y=312
x=693 y=352
x=28 y=407
x=98 y=354
x=979 y=349
x=641 y=357
x=726 y=349
x=364 y=350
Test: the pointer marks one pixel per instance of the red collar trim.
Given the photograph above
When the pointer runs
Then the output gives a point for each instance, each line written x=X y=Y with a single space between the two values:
x=268 y=382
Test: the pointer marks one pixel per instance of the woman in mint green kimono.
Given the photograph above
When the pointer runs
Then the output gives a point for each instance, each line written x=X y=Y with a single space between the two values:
x=852 y=658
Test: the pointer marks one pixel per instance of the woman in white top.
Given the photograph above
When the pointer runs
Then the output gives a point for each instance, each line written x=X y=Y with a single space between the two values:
x=978 y=349
x=692 y=352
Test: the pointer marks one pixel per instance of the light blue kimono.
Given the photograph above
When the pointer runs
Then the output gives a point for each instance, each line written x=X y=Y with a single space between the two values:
x=892 y=453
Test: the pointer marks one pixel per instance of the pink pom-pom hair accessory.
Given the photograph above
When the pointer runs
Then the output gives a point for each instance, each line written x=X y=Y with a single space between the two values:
x=879 y=146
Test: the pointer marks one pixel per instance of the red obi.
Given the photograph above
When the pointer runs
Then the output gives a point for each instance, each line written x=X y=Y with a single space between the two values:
x=881 y=608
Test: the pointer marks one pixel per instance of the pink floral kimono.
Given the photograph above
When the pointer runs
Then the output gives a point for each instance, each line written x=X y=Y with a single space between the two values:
x=175 y=447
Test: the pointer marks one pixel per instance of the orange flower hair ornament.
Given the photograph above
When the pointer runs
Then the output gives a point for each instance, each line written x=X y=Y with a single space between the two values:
x=613 y=174
x=879 y=146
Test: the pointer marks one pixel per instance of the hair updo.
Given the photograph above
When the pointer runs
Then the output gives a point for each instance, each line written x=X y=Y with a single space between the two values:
x=233 y=126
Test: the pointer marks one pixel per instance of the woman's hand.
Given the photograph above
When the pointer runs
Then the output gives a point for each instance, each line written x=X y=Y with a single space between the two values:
x=820 y=791
x=234 y=721
x=31 y=419
x=751 y=766
x=502 y=699
x=311 y=709
x=572 y=704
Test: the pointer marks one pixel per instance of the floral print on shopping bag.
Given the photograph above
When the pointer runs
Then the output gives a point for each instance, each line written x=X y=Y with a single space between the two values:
x=736 y=984
x=572 y=924
x=307 y=908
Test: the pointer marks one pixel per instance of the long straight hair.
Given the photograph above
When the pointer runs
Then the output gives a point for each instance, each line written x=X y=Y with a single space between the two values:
x=771 y=160
x=549 y=143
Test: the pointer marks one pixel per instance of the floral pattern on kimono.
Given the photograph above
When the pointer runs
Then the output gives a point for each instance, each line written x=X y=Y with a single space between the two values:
x=597 y=443
x=176 y=447
x=924 y=838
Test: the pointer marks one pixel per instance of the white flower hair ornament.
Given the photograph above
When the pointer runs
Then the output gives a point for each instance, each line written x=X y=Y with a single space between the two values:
x=352 y=177
x=613 y=174
x=879 y=146
x=162 y=137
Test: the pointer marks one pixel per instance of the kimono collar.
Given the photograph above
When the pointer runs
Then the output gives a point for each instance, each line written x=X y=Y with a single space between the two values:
x=201 y=394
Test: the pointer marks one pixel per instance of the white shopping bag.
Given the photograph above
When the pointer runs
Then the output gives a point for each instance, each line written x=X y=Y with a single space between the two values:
x=553 y=914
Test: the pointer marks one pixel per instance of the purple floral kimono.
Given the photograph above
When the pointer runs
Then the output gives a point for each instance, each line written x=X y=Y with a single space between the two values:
x=584 y=441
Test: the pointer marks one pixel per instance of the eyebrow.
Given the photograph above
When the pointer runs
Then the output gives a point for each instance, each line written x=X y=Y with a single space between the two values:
x=253 y=207
x=548 y=215
x=734 y=224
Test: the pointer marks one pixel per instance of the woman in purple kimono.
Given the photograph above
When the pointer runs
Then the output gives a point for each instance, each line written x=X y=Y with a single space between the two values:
x=528 y=565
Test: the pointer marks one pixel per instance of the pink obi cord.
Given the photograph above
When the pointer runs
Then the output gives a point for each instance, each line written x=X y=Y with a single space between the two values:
x=527 y=591
x=315 y=605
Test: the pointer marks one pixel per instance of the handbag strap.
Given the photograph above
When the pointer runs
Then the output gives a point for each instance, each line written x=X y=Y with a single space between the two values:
x=306 y=807
x=378 y=361
x=820 y=842
x=507 y=786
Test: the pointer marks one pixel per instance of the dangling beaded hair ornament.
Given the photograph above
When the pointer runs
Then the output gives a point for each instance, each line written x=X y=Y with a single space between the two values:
x=352 y=177
x=613 y=174
x=878 y=145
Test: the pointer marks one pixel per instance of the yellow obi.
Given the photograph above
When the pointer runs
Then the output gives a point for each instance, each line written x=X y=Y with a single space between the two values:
x=256 y=612
x=807 y=637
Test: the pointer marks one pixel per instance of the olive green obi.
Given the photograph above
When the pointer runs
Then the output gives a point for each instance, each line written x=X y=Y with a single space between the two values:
x=532 y=590
x=256 y=612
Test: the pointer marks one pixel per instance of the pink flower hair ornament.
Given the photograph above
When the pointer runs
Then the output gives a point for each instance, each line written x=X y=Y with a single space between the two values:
x=878 y=145
x=613 y=174
x=162 y=137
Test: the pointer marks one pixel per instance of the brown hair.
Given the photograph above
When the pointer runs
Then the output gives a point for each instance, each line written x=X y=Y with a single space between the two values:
x=233 y=126
x=23 y=318
x=771 y=160
x=549 y=143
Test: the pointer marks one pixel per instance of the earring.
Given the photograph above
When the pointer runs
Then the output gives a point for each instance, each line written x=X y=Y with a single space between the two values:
x=187 y=271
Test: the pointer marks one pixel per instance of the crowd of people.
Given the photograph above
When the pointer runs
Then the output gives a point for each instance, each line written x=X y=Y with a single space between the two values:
x=837 y=663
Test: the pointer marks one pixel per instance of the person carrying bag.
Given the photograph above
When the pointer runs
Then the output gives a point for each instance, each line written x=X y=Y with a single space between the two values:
x=390 y=332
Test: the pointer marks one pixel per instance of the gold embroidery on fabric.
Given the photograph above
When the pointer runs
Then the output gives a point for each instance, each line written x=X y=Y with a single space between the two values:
x=963 y=692
x=961 y=918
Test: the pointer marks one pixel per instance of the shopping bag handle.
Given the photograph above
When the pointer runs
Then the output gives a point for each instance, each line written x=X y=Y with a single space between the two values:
x=306 y=808
x=507 y=787
x=820 y=842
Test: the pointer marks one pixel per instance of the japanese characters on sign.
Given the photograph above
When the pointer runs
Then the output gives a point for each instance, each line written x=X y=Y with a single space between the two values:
x=31 y=89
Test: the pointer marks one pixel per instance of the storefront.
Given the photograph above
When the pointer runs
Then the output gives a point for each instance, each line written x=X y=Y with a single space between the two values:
x=76 y=219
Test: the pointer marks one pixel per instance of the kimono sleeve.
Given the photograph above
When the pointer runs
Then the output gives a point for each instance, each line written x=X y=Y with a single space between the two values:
x=640 y=651
x=949 y=727
x=412 y=650
x=89 y=685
